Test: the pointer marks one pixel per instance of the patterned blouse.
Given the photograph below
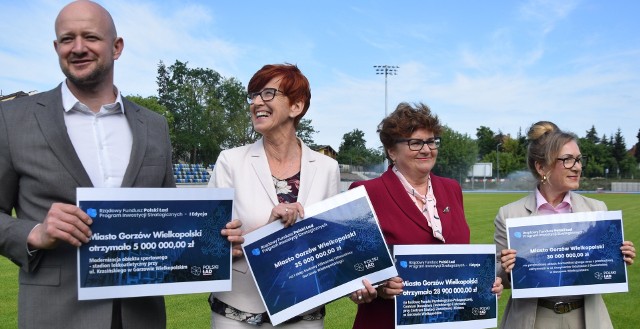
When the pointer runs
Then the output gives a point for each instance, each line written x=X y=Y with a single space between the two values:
x=287 y=189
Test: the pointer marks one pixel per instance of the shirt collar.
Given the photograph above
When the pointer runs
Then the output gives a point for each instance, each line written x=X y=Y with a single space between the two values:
x=69 y=100
x=410 y=189
x=542 y=202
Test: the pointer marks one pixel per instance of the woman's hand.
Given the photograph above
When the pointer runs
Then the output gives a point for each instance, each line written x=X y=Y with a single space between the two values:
x=365 y=295
x=288 y=213
x=387 y=290
x=497 y=287
x=628 y=252
x=390 y=288
x=233 y=232
x=508 y=259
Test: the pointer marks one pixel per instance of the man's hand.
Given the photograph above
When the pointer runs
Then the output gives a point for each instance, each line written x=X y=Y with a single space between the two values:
x=64 y=222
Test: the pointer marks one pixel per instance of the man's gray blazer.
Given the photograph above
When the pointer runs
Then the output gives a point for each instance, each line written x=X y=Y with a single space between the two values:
x=38 y=167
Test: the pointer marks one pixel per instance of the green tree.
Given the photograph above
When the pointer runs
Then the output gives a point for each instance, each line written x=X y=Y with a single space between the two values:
x=604 y=155
x=234 y=113
x=629 y=166
x=618 y=147
x=486 y=141
x=513 y=156
x=597 y=157
x=305 y=132
x=353 y=150
x=210 y=112
x=509 y=163
x=626 y=164
x=522 y=147
x=636 y=154
x=592 y=135
x=456 y=155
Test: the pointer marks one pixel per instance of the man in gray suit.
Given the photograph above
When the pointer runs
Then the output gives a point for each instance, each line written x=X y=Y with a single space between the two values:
x=80 y=134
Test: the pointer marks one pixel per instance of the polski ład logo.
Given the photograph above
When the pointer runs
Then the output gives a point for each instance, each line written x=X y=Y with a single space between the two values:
x=92 y=212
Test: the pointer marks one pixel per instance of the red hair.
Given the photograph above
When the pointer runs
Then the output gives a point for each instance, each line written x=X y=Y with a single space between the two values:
x=293 y=84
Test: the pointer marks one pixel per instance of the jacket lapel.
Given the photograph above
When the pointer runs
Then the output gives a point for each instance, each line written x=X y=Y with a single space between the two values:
x=139 y=133
x=404 y=203
x=307 y=173
x=260 y=166
x=50 y=118
x=578 y=204
x=442 y=199
x=530 y=204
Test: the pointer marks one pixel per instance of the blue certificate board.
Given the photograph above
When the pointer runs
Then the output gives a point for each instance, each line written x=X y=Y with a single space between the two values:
x=567 y=254
x=154 y=241
x=446 y=286
x=320 y=258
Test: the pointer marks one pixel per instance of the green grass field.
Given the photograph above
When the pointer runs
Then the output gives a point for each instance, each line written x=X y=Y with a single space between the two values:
x=192 y=311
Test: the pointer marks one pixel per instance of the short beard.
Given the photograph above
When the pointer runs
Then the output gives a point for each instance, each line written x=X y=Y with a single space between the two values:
x=89 y=82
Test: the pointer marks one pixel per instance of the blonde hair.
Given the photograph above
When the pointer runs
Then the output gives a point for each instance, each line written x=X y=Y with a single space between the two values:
x=545 y=142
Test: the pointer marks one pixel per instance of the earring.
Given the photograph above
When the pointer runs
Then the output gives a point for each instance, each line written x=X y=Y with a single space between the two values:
x=543 y=180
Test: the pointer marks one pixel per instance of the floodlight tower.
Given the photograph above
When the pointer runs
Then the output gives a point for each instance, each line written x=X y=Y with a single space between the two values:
x=498 y=165
x=386 y=70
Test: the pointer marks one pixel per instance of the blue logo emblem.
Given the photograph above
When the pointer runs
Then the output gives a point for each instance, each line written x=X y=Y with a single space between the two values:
x=518 y=234
x=403 y=264
x=255 y=252
x=92 y=212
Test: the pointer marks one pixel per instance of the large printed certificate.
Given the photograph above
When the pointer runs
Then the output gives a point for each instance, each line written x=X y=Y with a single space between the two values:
x=320 y=258
x=567 y=254
x=154 y=241
x=446 y=286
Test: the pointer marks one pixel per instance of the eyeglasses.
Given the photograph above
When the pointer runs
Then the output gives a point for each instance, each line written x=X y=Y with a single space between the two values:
x=570 y=162
x=266 y=94
x=417 y=144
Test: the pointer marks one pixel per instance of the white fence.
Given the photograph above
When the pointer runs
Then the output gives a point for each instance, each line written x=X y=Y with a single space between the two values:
x=625 y=187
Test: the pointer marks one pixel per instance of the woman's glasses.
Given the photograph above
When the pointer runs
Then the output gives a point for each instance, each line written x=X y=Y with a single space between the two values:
x=266 y=95
x=570 y=162
x=417 y=144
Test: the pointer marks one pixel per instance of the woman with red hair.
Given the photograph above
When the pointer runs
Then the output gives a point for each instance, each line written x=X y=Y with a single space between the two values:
x=273 y=179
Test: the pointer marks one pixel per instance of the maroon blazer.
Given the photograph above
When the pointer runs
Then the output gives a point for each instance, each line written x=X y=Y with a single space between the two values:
x=403 y=223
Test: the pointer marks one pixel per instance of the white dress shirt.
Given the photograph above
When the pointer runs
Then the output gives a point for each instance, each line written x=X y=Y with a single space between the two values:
x=102 y=140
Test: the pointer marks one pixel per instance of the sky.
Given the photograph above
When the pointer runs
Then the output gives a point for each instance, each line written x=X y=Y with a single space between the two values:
x=499 y=64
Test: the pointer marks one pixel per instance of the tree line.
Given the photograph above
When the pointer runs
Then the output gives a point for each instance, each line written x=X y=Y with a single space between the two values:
x=607 y=157
x=208 y=113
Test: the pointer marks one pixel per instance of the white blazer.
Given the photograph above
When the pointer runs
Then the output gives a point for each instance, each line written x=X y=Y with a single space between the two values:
x=246 y=170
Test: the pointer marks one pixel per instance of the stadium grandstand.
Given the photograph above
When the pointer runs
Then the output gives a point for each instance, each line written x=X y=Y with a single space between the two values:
x=189 y=173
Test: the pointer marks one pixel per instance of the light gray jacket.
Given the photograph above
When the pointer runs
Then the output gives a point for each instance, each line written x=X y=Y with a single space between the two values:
x=521 y=313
